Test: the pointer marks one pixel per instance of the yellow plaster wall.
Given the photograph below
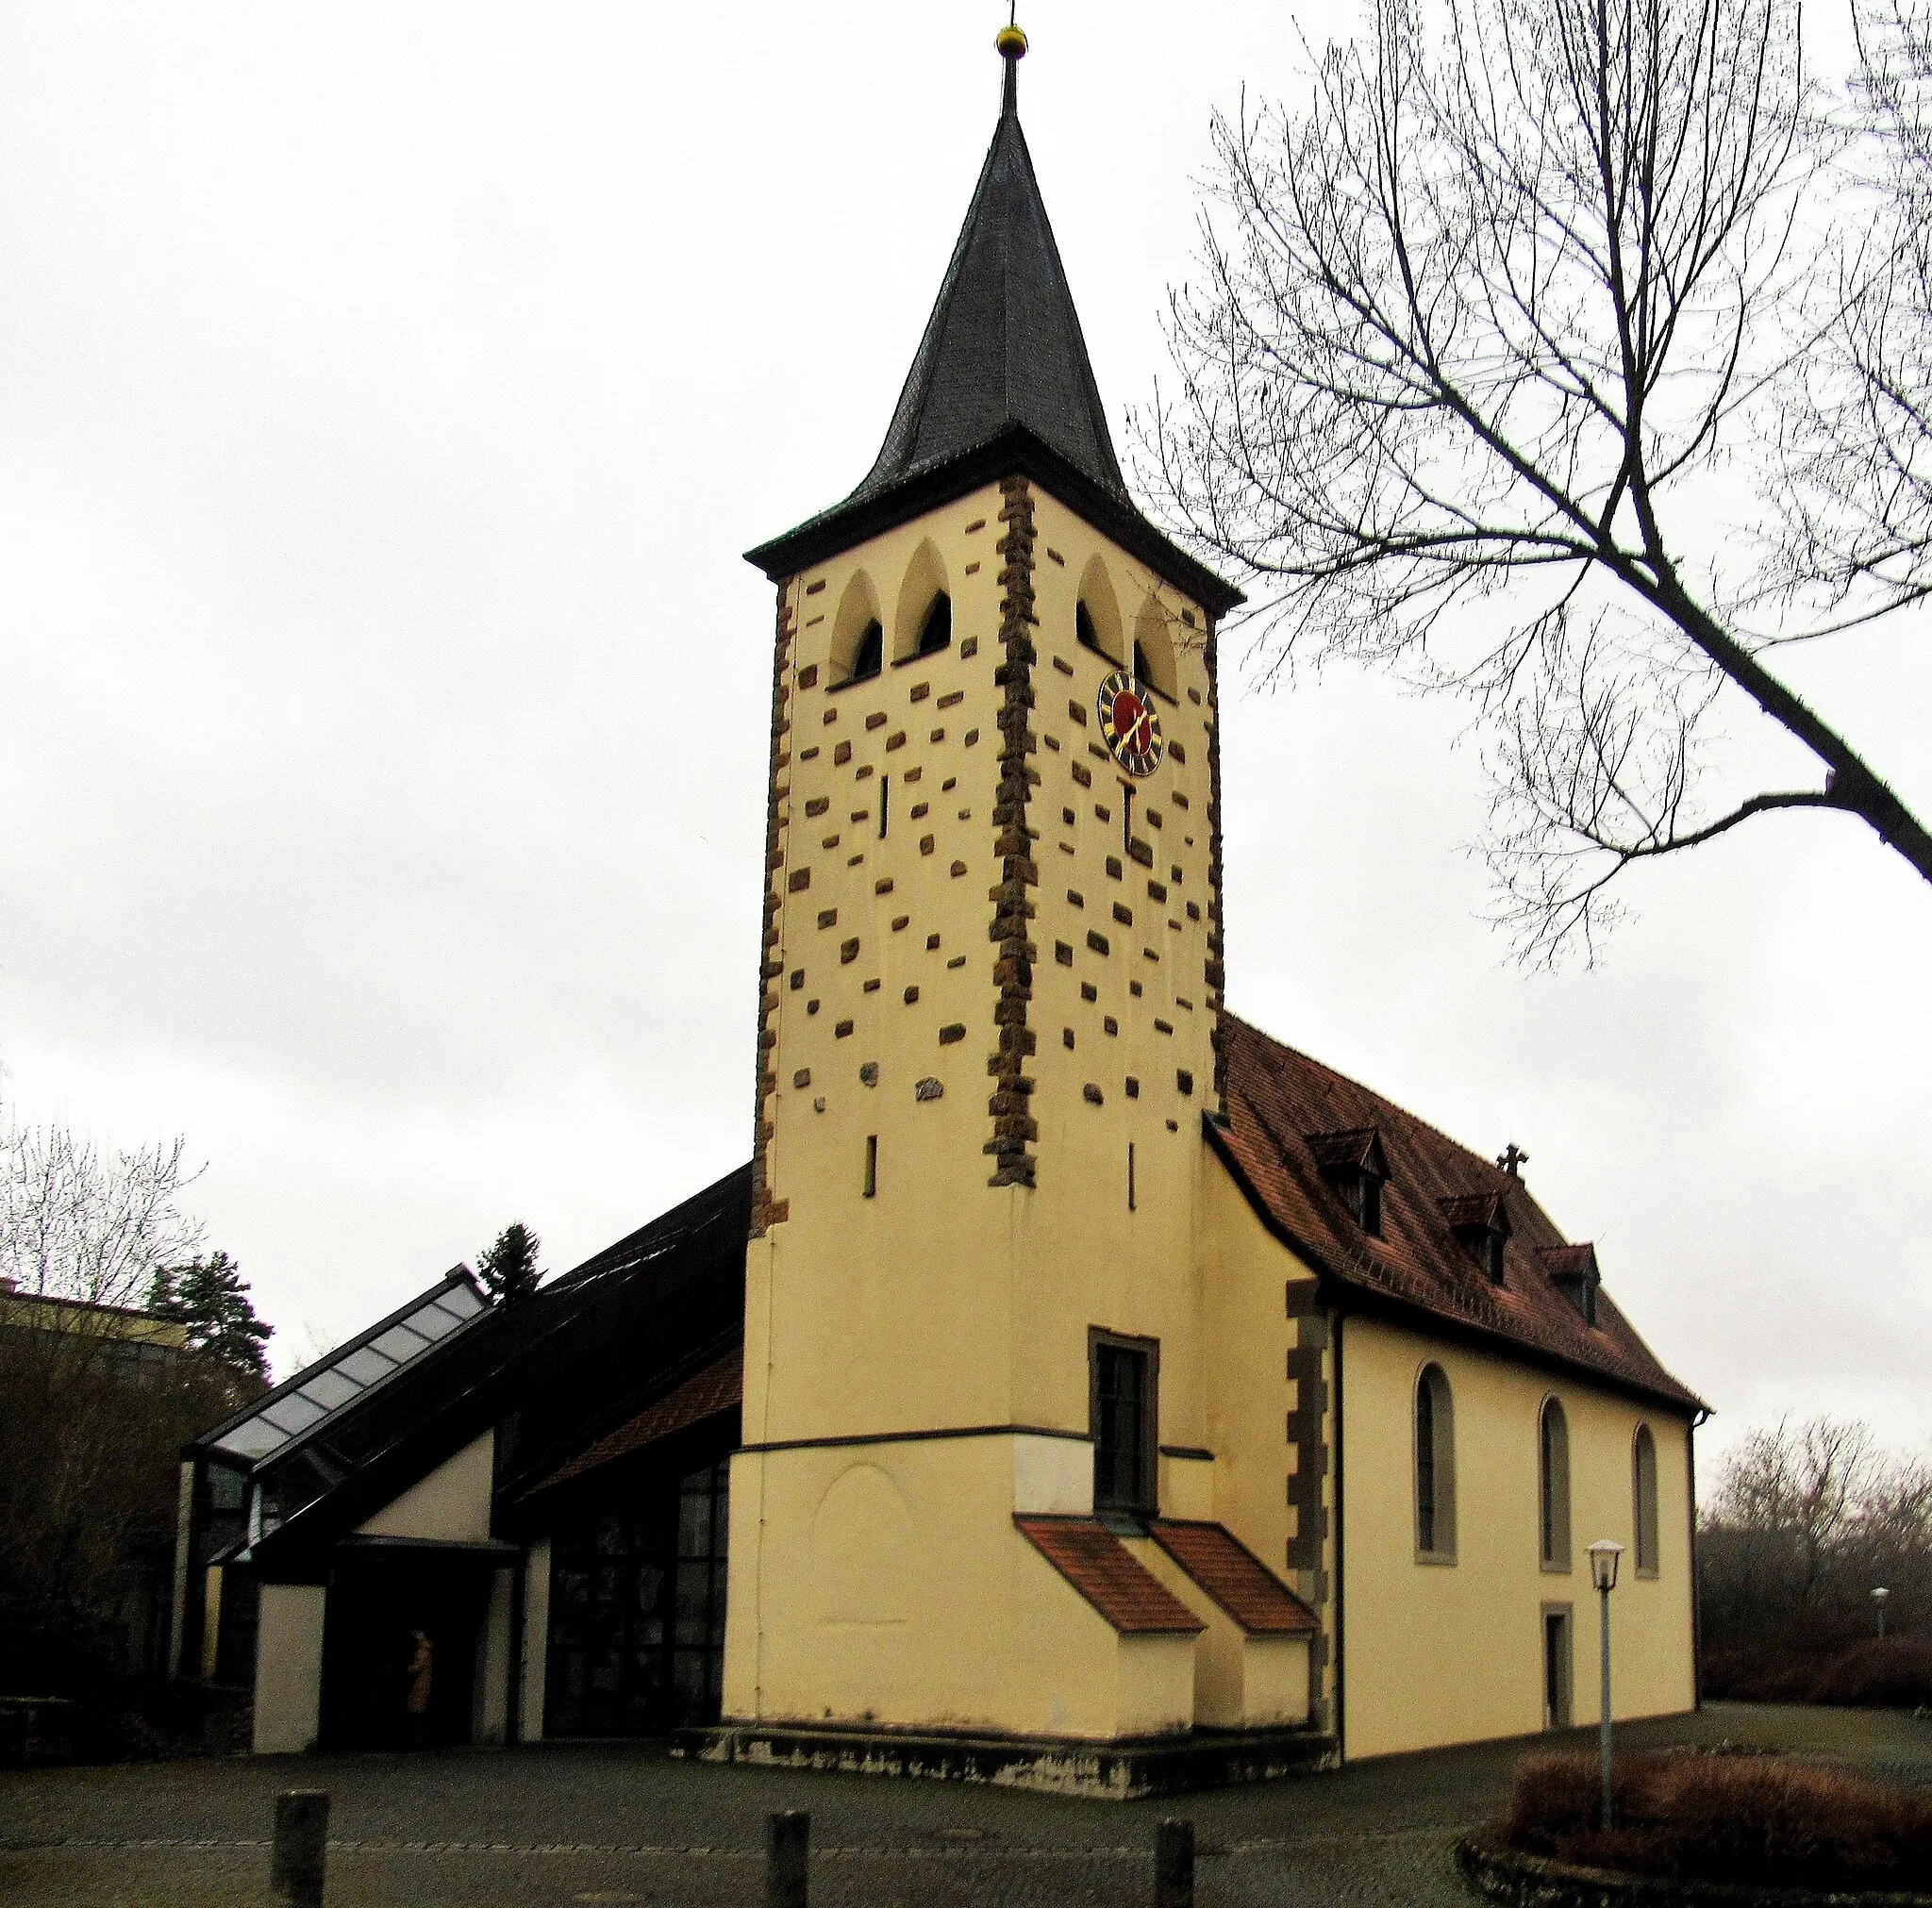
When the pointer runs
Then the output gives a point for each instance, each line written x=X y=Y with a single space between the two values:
x=1437 y=1654
x=890 y=1586
x=452 y=1502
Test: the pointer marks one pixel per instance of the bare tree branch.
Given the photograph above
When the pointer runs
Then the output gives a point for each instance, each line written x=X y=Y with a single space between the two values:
x=1473 y=331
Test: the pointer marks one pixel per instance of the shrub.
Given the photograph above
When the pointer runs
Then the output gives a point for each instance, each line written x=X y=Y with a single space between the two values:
x=1896 y=1673
x=1749 y=1819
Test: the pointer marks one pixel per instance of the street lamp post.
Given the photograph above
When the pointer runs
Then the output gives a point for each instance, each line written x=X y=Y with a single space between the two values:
x=1879 y=1597
x=1603 y=1573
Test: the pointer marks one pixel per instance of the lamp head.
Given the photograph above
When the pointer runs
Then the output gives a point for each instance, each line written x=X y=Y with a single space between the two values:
x=1603 y=1563
x=1879 y=1595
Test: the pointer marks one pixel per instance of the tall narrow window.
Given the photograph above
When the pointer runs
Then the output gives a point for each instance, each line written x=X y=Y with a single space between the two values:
x=1126 y=820
x=869 y=658
x=1643 y=1498
x=1555 y=1665
x=936 y=632
x=1123 y=1372
x=1553 y=1487
x=1435 y=1466
x=885 y=804
x=1130 y=1175
x=872 y=1164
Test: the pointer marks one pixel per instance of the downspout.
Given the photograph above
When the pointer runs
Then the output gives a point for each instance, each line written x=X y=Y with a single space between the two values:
x=1696 y=1595
x=1340 y=1566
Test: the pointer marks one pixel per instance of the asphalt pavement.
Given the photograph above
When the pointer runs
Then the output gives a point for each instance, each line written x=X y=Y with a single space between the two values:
x=585 y=1823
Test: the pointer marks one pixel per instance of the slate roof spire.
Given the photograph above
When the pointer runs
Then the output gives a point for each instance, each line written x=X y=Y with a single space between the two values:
x=1003 y=347
x=1001 y=384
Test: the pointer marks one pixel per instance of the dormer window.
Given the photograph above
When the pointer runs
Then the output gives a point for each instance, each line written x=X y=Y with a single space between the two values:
x=869 y=657
x=936 y=632
x=1353 y=1164
x=1572 y=1271
x=1480 y=1222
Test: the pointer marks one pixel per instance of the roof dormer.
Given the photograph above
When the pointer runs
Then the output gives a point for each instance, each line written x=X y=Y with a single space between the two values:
x=1572 y=1271
x=1480 y=1222
x=1354 y=1164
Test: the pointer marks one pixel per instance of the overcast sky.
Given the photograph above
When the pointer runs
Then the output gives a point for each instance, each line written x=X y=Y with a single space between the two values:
x=386 y=395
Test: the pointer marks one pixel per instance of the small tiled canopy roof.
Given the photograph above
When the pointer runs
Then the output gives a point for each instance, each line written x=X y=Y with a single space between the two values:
x=1238 y=1580
x=1417 y=1270
x=1110 y=1577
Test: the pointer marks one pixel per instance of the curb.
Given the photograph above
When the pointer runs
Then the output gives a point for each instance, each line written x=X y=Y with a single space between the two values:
x=1522 y=1880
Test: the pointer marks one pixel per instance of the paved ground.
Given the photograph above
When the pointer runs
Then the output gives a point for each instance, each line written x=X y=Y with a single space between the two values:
x=579 y=1824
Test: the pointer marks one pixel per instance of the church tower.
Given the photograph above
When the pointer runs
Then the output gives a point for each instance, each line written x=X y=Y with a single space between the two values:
x=989 y=1033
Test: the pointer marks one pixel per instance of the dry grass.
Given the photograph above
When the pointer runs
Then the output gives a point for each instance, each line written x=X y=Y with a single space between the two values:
x=1754 y=1819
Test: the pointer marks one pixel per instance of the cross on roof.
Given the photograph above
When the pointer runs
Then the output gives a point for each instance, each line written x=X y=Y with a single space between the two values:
x=1510 y=1158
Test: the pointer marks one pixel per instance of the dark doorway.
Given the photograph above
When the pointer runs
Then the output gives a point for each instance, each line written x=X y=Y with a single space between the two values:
x=383 y=1607
x=637 y=1610
x=1556 y=1666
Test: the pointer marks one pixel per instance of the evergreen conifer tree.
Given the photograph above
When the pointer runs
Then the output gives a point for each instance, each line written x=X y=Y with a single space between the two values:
x=508 y=1269
x=210 y=1298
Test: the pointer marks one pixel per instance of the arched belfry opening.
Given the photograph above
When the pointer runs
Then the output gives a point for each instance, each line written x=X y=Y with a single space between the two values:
x=1153 y=649
x=858 y=635
x=924 y=623
x=1097 y=614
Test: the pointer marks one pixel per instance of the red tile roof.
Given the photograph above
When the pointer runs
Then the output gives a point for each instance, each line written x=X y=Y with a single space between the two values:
x=1277 y=1098
x=1115 y=1582
x=716 y=1388
x=1234 y=1577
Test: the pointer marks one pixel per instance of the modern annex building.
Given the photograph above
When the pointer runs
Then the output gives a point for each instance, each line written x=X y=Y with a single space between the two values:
x=1111 y=1396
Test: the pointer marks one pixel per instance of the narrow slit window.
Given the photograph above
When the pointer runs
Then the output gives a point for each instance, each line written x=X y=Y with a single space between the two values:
x=885 y=804
x=872 y=1164
x=1130 y=1175
x=1126 y=820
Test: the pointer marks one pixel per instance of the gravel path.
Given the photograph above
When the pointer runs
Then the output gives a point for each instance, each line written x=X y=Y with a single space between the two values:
x=582 y=1823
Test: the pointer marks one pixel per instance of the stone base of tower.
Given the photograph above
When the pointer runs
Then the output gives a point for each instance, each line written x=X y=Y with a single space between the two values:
x=1113 y=1771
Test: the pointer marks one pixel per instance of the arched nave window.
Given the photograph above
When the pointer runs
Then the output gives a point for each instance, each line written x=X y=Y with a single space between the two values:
x=1553 y=1487
x=1643 y=1498
x=1435 y=1466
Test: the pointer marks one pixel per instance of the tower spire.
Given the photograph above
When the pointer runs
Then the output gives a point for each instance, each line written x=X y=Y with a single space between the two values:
x=1011 y=43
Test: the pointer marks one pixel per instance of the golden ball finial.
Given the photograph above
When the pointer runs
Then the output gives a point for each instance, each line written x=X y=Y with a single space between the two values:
x=1011 y=43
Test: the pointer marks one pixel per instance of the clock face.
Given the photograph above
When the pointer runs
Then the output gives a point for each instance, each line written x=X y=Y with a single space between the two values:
x=1129 y=724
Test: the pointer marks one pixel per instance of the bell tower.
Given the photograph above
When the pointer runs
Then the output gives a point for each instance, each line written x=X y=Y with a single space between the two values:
x=987 y=1037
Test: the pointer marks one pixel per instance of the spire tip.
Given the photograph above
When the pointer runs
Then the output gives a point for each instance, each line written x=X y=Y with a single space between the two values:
x=1011 y=43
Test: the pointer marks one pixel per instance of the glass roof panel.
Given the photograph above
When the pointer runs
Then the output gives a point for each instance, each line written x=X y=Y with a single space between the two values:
x=335 y=1383
x=366 y=1366
x=332 y=1387
x=401 y=1343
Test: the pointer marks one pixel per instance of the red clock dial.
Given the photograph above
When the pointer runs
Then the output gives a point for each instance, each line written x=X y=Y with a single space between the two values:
x=1129 y=724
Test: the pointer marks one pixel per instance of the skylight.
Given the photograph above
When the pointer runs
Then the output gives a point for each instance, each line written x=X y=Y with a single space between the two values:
x=338 y=1381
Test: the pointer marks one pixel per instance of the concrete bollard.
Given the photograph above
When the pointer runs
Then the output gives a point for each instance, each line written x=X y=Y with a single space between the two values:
x=1174 y=1864
x=301 y=1855
x=787 y=1848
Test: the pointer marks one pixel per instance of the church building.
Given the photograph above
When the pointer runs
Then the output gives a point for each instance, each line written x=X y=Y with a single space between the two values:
x=1080 y=1388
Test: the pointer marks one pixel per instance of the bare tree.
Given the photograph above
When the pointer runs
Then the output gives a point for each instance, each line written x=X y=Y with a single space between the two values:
x=1482 y=326
x=77 y=1224
x=1855 y=478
